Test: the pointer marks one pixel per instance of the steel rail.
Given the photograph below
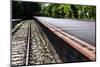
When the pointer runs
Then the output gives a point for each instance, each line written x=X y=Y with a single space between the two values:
x=18 y=25
x=28 y=44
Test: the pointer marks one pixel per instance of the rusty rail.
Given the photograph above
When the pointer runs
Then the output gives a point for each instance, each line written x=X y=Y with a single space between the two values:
x=81 y=46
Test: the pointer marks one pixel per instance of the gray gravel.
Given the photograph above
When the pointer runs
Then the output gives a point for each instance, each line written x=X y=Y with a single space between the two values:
x=19 y=45
x=40 y=53
x=40 y=48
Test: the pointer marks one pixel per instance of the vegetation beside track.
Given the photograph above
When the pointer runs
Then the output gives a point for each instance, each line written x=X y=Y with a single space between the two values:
x=29 y=9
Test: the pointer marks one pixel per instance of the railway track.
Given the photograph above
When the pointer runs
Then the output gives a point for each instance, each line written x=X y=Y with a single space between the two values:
x=30 y=46
x=19 y=40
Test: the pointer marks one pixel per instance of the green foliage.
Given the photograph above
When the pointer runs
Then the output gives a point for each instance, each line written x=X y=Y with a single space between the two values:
x=69 y=11
x=29 y=9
